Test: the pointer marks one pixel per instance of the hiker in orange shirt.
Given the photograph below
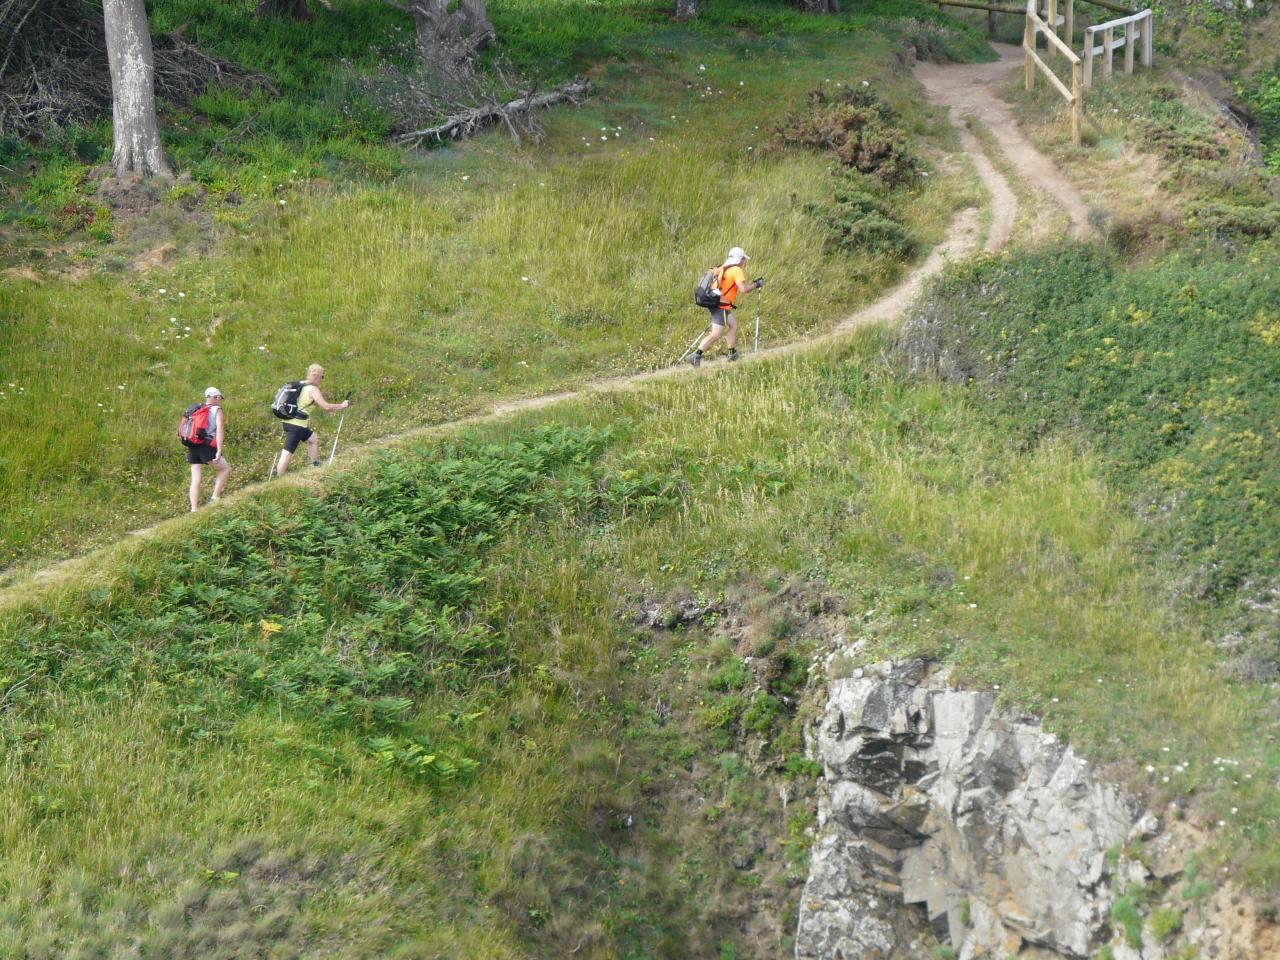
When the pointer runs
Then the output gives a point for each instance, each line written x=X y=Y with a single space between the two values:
x=733 y=281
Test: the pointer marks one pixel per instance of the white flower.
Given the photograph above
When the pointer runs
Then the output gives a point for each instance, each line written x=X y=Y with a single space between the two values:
x=866 y=83
x=466 y=176
x=282 y=203
x=99 y=404
x=1150 y=768
x=702 y=67
x=119 y=386
x=263 y=347
x=973 y=606
x=188 y=329
x=605 y=137
x=162 y=290
x=525 y=279
x=181 y=294
x=173 y=319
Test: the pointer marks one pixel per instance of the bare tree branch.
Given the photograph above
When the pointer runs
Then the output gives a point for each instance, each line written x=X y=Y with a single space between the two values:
x=466 y=122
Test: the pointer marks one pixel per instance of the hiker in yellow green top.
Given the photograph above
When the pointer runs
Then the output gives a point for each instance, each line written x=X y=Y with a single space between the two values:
x=298 y=427
x=732 y=281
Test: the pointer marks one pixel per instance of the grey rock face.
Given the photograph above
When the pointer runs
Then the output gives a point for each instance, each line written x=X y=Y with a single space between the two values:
x=940 y=810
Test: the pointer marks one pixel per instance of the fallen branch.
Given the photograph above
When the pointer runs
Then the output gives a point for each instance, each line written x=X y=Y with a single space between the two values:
x=463 y=124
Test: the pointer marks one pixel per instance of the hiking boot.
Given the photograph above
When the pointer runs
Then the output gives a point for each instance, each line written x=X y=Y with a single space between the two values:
x=733 y=355
x=694 y=359
x=316 y=463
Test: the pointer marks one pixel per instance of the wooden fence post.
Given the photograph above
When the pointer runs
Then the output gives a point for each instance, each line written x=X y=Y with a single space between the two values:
x=1028 y=45
x=1076 y=106
x=1108 y=37
x=1069 y=27
x=1088 y=56
x=1130 y=38
x=1052 y=21
x=1148 y=24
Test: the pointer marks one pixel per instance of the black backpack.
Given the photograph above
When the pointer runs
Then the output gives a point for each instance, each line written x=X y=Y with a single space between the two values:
x=285 y=405
x=707 y=292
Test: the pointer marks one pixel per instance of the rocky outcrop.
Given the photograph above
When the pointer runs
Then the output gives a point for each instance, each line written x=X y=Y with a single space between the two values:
x=944 y=818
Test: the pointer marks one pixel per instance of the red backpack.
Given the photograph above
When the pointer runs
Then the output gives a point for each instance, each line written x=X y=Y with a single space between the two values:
x=194 y=429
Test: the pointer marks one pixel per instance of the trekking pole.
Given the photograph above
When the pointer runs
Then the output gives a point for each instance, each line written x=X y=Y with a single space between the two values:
x=696 y=340
x=338 y=432
x=759 y=304
x=275 y=458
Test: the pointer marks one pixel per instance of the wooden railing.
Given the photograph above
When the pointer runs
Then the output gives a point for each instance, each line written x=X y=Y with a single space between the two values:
x=1137 y=27
x=1036 y=26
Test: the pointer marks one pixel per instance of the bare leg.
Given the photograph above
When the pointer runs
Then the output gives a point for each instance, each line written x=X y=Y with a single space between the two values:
x=732 y=338
x=716 y=331
x=194 y=492
x=313 y=447
x=224 y=471
x=283 y=463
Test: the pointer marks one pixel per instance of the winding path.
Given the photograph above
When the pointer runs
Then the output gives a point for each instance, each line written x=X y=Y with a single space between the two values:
x=971 y=94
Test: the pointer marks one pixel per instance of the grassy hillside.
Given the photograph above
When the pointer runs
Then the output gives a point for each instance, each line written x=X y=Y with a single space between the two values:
x=470 y=273
x=428 y=708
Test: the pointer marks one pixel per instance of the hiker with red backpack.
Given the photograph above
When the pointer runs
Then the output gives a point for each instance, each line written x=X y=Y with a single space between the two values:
x=294 y=404
x=203 y=431
x=718 y=292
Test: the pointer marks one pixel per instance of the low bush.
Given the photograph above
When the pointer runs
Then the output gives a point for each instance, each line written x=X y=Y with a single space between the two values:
x=858 y=128
x=858 y=221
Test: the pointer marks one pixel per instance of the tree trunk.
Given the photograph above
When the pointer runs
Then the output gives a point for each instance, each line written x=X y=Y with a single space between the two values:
x=446 y=39
x=686 y=9
x=133 y=95
x=285 y=8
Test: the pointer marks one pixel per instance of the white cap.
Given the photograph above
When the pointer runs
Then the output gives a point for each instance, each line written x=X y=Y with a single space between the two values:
x=736 y=255
x=212 y=392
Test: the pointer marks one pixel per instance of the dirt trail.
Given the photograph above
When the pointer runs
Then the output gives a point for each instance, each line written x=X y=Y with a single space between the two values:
x=972 y=90
x=968 y=90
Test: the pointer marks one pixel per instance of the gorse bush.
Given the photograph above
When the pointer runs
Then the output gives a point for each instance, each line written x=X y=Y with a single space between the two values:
x=857 y=220
x=858 y=128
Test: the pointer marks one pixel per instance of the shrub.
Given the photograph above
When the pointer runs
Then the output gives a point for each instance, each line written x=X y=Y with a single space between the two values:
x=858 y=221
x=858 y=128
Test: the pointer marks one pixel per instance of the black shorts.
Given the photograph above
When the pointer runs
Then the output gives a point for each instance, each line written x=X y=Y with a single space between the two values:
x=202 y=454
x=719 y=315
x=294 y=435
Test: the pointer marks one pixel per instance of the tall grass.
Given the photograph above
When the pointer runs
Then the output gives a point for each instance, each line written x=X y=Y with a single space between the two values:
x=491 y=272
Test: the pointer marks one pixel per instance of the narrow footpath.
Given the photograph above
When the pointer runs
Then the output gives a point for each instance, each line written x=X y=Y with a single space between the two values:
x=970 y=92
